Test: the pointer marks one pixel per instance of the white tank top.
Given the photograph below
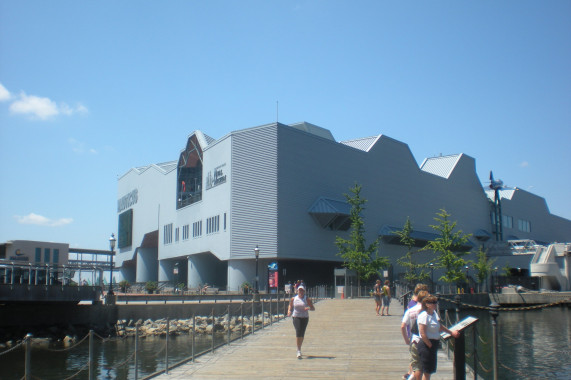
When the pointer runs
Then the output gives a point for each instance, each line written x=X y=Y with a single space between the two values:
x=299 y=305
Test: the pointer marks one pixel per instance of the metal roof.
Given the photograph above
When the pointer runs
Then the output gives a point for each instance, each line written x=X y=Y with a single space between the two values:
x=364 y=143
x=506 y=194
x=441 y=166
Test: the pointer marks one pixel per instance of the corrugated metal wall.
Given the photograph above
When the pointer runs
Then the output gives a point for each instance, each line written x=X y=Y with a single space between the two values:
x=254 y=210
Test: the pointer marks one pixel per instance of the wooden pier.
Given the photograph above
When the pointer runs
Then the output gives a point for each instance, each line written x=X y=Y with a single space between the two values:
x=344 y=340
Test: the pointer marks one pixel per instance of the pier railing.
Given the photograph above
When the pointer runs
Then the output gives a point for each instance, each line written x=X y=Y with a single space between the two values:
x=238 y=321
x=471 y=353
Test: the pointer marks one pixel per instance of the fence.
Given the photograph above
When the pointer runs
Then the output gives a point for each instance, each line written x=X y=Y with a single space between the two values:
x=239 y=320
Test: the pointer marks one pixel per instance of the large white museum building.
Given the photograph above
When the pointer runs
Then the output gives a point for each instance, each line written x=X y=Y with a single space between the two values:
x=281 y=188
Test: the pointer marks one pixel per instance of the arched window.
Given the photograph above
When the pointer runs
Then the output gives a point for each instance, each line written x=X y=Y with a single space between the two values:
x=189 y=174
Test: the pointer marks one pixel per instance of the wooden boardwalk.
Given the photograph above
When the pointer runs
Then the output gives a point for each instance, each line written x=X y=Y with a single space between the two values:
x=344 y=340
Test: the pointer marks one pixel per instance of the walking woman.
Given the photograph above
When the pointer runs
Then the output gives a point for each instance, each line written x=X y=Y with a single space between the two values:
x=386 y=292
x=299 y=307
x=429 y=327
x=377 y=295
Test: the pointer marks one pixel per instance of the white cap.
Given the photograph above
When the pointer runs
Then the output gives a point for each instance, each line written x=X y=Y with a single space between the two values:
x=301 y=287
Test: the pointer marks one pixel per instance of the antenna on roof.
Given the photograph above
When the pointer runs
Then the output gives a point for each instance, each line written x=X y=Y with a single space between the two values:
x=277 y=111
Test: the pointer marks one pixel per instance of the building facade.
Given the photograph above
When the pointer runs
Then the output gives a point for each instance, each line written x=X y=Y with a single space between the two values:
x=281 y=188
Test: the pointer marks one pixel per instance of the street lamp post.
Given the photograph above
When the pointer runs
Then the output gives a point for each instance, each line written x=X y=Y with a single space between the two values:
x=257 y=254
x=175 y=277
x=467 y=280
x=112 y=242
x=496 y=280
x=432 y=277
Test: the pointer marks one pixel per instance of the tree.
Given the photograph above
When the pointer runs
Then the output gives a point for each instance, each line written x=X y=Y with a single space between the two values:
x=447 y=247
x=413 y=272
x=363 y=260
x=483 y=266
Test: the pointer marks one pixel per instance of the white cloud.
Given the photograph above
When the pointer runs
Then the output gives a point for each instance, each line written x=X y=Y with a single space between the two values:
x=524 y=164
x=40 y=220
x=39 y=108
x=4 y=94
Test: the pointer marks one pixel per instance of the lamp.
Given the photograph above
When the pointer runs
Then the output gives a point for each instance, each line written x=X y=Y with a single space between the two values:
x=112 y=242
x=257 y=254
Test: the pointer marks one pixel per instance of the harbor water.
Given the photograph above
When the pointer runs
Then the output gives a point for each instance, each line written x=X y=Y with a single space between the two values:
x=533 y=344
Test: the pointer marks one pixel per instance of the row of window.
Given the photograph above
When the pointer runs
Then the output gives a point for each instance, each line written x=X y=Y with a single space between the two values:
x=47 y=255
x=508 y=222
x=212 y=226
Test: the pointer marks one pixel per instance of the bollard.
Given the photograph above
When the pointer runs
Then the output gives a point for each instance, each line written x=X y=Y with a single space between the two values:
x=136 y=351
x=91 y=362
x=494 y=307
x=28 y=365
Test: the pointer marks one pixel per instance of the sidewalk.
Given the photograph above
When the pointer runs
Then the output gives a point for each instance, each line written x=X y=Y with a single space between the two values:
x=344 y=340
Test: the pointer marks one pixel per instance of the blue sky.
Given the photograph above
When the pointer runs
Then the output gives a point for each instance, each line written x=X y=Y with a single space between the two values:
x=91 y=89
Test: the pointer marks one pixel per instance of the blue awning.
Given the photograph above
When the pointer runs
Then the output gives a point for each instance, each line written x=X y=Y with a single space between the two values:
x=421 y=238
x=331 y=213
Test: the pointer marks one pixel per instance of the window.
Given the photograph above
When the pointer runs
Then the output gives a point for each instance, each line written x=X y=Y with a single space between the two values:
x=185 y=231
x=197 y=229
x=38 y=255
x=213 y=224
x=56 y=255
x=189 y=175
x=507 y=221
x=176 y=234
x=47 y=255
x=224 y=221
x=524 y=225
x=167 y=231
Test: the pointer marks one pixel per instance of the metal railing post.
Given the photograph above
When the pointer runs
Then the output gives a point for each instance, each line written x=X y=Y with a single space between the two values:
x=212 y=313
x=228 y=324
x=253 y=322
x=91 y=365
x=137 y=351
x=457 y=300
x=193 y=333
x=167 y=349
x=28 y=364
x=242 y=320
x=494 y=307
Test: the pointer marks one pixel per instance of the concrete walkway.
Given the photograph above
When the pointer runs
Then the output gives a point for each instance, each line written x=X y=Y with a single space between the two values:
x=344 y=340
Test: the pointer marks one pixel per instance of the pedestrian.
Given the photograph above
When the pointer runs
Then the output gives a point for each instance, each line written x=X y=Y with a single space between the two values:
x=429 y=328
x=413 y=301
x=411 y=336
x=299 y=307
x=386 y=295
x=377 y=295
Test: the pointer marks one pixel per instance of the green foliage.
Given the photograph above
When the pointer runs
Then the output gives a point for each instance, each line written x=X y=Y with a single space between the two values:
x=447 y=247
x=507 y=270
x=151 y=286
x=483 y=266
x=356 y=255
x=414 y=272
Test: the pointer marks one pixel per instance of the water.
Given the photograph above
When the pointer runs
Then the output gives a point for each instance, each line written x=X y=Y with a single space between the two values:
x=533 y=344
x=110 y=357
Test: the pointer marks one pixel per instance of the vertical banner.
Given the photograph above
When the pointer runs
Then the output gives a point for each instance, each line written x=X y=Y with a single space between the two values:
x=273 y=283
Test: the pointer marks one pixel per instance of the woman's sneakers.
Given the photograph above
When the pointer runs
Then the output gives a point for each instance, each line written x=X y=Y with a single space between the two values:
x=298 y=354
